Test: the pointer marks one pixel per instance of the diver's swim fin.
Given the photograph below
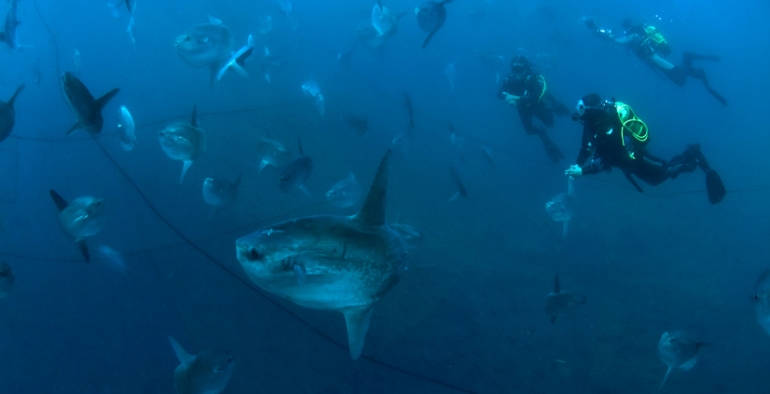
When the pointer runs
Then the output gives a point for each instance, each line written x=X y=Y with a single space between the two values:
x=551 y=149
x=715 y=187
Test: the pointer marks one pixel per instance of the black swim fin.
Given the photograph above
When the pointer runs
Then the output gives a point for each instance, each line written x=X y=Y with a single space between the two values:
x=715 y=187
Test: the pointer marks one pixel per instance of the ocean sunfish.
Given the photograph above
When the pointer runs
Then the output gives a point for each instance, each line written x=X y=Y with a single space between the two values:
x=207 y=372
x=88 y=110
x=761 y=301
x=338 y=263
x=344 y=193
x=563 y=206
x=8 y=114
x=220 y=193
x=183 y=141
x=560 y=302
x=81 y=218
x=206 y=45
x=296 y=173
x=679 y=351
x=431 y=16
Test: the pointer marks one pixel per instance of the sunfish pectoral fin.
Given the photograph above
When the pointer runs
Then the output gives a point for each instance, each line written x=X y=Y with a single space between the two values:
x=185 y=167
x=357 y=321
x=102 y=101
x=665 y=377
x=60 y=202
x=373 y=211
x=84 y=250
x=564 y=230
x=181 y=354
x=263 y=164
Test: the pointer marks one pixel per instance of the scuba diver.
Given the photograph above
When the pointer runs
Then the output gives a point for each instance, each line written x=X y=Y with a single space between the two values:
x=647 y=43
x=613 y=136
x=526 y=90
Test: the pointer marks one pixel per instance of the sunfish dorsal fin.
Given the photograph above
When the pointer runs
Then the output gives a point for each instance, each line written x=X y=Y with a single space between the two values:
x=185 y=166
x=13 y=98
x=60 y=202
x=102 y=101
x=556 y=287
x=183 y=356
x=194 y=120
x=214 y=21
x=357 y=321
x=84 y=250
x=373 y=211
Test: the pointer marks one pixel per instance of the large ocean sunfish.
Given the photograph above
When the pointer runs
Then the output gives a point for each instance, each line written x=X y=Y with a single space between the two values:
x=340 y=263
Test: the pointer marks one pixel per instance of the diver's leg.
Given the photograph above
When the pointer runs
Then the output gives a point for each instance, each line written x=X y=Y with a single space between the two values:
x=526 y=122
x=688 y=57
x=651 y=169
x=699 y=73
x=545 y=115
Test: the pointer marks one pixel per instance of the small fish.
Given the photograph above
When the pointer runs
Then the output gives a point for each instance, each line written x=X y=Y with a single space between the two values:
x=273 y=153
x=560 y=302
x=679 y=351
x=344 y=193
x=563 y=206
x=451 y=74
x=8 y=114
x=6 y=279
x=431 y=16
x=220 y=193
x=458 y=182
x=207 y=372
x=359 y=125
x=761 y=301
x=126 y=129
x=270 y=64
x=114 y=258
x=183 y=141
x=409 y=234
x=296 y=173
x=88 y=110
x=311 y=89
x=265 y=24
x=343 y=58
x=77 y=60
x=408 y=105
x=81 y=218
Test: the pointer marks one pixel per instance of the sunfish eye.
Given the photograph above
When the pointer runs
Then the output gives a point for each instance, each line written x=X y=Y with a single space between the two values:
x=254 y=255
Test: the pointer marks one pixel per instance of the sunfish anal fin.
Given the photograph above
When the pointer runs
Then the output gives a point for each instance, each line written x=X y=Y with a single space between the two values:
x=357 y=321
x=302 y=186
x=373 y=211
x=60 y=202
x=183 y=356
x=185 y=167
x=84 y=250
x=73 y=128
x=668 y=372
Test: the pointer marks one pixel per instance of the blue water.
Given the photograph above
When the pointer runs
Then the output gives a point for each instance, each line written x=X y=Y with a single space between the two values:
x=468 y=315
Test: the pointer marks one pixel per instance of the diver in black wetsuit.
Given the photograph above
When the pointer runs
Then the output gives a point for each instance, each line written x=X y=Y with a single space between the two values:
x=526 y=90
x=613 y=136
x=647 y=43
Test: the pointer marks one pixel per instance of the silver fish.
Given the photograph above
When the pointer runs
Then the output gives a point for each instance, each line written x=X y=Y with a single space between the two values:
x=563 y=206
x=6 y=279
x=761 y=301
x=273 y=153
x=349 y=262
x=344 y=193
x=8 y=114
x=677 y=350
x=207 y=372
x=183 y=141
x=126 y=129
x=560 y=302
x=88 y=110
x=81 y=218
x=77 y=60
x=451 y=74
x=270 y=64
x=238 y=59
